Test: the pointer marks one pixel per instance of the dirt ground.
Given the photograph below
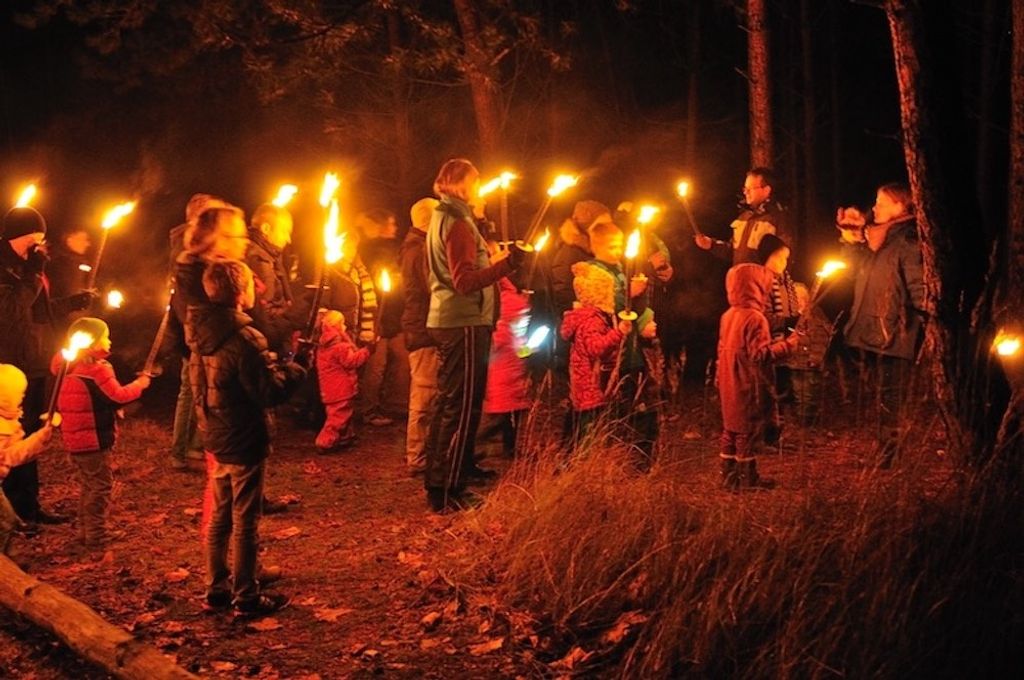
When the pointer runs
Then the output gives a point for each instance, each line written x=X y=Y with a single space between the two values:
x=372 y=573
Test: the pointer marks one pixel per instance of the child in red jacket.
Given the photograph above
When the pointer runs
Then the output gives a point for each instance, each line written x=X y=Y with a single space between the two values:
x=88 y=404
x=337 y=365
x=745 y=378
x=507 y=397
x=597 y=338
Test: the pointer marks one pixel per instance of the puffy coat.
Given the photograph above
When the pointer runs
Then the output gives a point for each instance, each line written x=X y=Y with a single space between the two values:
x=595 y=344
x=888 y=294
x=746 y=350
x=15 y=448
x=188 y=290
x=574 y=247
x=26 y=319
x=234 y=380
x=415 y=279
x=271 y=314
x=507 y=382
x=749 y=228
x=88 y=402
x=337 y=361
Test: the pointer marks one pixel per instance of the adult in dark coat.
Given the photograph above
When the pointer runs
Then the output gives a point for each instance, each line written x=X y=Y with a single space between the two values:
x=274 y=315
x=761 y=215
x=28 y=339
x=889 y=302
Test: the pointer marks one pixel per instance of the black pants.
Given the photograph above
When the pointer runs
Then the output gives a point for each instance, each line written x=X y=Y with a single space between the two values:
x=461 y=383
x=22 y=484
x=506 y=424
x=888 y=379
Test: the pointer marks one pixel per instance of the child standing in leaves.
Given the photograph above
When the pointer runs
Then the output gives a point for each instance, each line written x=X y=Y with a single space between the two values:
x=15 y=448
x=745 y=356
x=597 y=337
x=235 y=379
x=88 y=404
x=337 y=365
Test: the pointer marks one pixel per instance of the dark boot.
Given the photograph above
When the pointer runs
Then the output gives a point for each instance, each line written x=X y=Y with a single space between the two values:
x=749 y=477
x=730 y=476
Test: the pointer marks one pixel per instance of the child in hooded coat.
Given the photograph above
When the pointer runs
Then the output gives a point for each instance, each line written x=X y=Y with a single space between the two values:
x=15 y=448
x=597 y=338
x=745 y=356
x=88 y=403
x=337 y=364
x=507 y=396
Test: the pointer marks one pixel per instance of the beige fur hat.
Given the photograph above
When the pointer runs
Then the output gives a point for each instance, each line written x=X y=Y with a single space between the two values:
x=594 y=286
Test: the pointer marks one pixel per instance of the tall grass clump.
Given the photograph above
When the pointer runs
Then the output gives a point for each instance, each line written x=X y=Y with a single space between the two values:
x=886 y=574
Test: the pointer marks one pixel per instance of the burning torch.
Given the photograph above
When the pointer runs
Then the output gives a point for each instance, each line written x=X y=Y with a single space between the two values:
x=632 y=250
x=683 y=192
x=384 y=284
x=333 y=243
x=110 y=220
x=503 y=182
x=26 y=196
x=285 y=194
x=79 y=340
x=561 y=183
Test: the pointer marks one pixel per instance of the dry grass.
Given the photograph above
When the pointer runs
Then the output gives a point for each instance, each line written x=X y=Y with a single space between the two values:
x=850 y=572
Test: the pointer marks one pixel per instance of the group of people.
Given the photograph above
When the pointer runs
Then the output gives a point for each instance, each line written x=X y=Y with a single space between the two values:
x=447 y=312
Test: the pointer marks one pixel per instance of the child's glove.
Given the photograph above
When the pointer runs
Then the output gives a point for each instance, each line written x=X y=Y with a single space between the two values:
x=144 y=380
x=517 y=256
x=46 y=433
x=304 y=354
x=625 y=327
x=650 y=331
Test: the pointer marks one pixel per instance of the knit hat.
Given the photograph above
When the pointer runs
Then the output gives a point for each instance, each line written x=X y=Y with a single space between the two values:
x=594 y=286
x=422 y=211
x=12 y=390
x=21 y=222
x=586 y=213
x=97 y=328
x=769 y=245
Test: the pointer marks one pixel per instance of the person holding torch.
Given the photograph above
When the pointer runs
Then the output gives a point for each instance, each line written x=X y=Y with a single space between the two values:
x=460 y=319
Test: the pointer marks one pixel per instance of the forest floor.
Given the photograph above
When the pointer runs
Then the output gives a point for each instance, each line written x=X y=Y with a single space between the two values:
x=372 y=574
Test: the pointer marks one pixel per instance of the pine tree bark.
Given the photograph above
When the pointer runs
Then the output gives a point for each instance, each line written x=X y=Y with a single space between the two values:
x=483 y=79
x=758 y=73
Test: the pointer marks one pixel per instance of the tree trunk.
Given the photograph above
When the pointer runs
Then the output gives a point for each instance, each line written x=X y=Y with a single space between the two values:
x=400 y=104
x=483 y=80
x=810 y=183
x=954 y=255
x=758 y=61
x=986 y=94
x=836 y=106
x=113 y=649
x=692 y=93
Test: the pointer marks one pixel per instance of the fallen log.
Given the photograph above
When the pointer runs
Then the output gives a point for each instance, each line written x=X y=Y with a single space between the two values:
x=82 y=629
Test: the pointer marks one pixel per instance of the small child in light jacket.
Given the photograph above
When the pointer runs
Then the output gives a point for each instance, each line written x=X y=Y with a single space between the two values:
x=337 y=364
x=88 y=404
x=15 y=448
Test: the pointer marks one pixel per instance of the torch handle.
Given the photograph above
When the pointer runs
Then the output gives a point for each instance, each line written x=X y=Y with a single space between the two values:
x=504 y=217
x=537 y=218
x=91 y=283
x=56 y=391
x=318 y=296
x=158 y=342
x=690 y=219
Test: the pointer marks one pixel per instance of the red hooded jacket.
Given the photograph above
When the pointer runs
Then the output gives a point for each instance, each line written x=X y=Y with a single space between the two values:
x=88 y=402
x=595 y=344
x=507 y=382
x=746 y=350
x=337 y=359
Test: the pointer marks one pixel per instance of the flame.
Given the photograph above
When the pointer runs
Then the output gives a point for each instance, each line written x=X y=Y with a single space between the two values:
x=541 y=241
x=285 y=194
x=633 y=244
x=830 y=268
x=502 y=181
x=117 y=213
x=1006 y=345
x=682 y=189
x=333 y=239
x=647 y=214
x=538 y=337
x=84 y=268
x=561 y=183
x=26 y=196
x=385 y=281
x=79 y=340
x=115 y=299
x=329 y=189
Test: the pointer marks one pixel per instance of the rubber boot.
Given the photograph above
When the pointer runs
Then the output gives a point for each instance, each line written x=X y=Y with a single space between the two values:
x=730 y=475
x=749 y=477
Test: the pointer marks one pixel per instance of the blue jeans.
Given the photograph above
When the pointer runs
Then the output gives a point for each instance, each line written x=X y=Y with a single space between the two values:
x=185 y=437
x=237 y=507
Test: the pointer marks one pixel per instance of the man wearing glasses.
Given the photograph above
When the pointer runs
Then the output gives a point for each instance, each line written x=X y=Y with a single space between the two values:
x=761 y=216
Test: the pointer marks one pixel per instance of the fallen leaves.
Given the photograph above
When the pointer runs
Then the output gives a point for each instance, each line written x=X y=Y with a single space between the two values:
x=430 y=621
x=177 y=575
x=223 y=666
x=265 y=625
x=330 y=615
x=286 y=533
x=618 y=632
x=573 y=659
x=413 y=560
x=487 y=647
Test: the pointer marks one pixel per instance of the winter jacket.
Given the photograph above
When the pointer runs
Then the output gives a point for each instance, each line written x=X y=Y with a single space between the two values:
x=234 y=380
x=27 y=337
x=353 y=294
x=781 y=306
x=746 y=351
x=888 y=294
x=574 y=247
x=271 y=314
x=815 y=335
x=188 y=291
x=461 y=276
x=507 y=381
x=748 y=229
x=15 y=448
x=379 y=254
x=415 y=280
x=595 y=346
x=337 y=364
x=89 y=400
